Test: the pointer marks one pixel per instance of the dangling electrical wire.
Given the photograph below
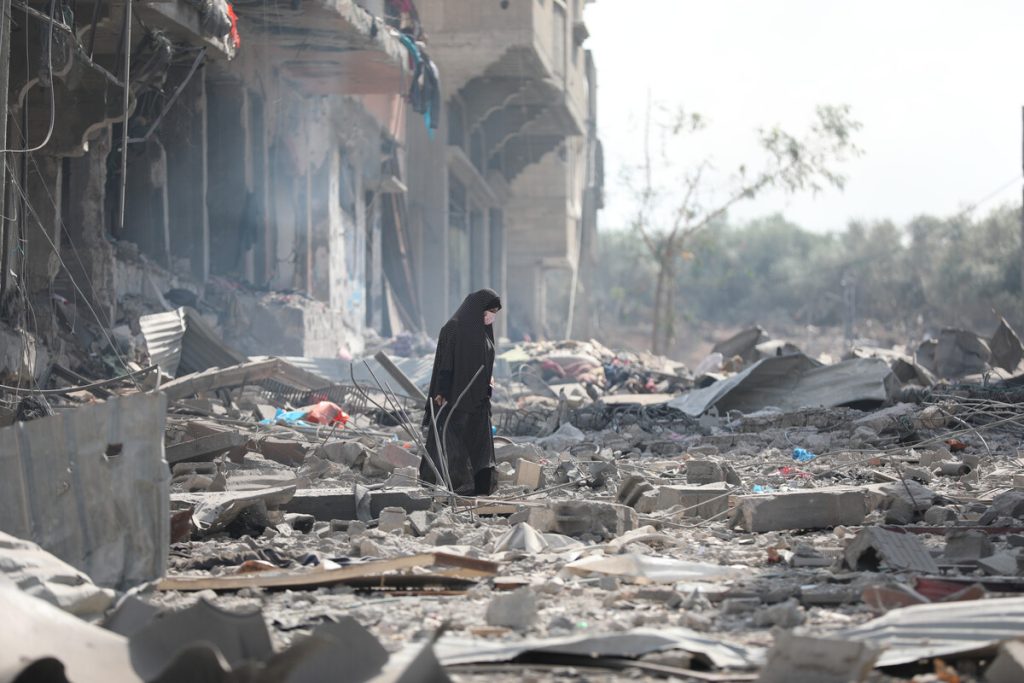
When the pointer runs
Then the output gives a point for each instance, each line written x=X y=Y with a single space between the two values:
x=49 y=79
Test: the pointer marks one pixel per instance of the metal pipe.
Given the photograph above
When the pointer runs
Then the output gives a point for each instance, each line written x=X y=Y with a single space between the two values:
x=125 y=101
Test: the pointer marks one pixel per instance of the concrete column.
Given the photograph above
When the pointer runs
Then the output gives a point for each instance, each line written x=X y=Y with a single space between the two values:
x=44 y=194
x=183 y=133
x=87 y=223
x=146 y=220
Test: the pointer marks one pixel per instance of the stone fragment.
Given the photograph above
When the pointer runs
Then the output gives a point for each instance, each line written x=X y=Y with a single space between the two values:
x=701 y=472
x=529 y=475
x=392 y=519
x=808 y=509
x=284 y=451
x=967 y=545
x=349 y=453
x=1000 y=564
x=788 y=614
x=800 y=659
x=698 y=501
x=388 y=458
x=515 y=610
x=577 y=517
x=939 y=515
x=1009 y=504
x=1008 y=666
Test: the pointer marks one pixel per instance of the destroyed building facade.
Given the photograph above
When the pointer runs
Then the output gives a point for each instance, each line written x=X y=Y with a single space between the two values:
x=308 y=169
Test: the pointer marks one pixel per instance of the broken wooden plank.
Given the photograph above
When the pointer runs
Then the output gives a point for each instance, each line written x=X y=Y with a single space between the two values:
x=209 y=446
x=375 y=573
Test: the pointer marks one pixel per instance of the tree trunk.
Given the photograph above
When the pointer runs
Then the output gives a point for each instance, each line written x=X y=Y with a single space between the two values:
x=669 y=319
x=659 y=293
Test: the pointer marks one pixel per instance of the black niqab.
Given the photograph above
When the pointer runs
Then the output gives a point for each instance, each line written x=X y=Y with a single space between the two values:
x=463 y=346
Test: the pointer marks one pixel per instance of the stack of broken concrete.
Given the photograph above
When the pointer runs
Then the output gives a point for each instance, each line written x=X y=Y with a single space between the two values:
x=787 y=509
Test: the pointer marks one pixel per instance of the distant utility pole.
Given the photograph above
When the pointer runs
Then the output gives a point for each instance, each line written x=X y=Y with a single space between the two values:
x=1022 y=209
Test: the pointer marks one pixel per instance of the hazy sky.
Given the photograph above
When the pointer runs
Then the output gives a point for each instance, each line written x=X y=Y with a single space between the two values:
x=935 y=83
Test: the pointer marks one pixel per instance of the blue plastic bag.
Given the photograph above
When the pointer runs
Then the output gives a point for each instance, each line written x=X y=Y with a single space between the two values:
x=803 y=455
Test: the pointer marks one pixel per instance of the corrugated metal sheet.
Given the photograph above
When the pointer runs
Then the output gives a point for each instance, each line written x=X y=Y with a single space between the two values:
x=180 y=342
x=942 y=629
x=163 y=333
x=338 y=371
x=90 y=485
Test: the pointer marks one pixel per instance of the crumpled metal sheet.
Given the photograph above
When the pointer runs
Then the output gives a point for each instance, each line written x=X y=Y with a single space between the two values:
x=338 y=371
x=941 y=629
x=794 y=382
x=90 y=485
x=180 y=342
x=453 y=650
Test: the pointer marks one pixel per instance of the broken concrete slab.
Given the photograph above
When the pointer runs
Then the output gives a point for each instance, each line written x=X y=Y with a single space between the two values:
x=90 y=486
x=212 y=511
x=1007 y=349
x=284 y=451
x=873 y=548
x=1000 y=564
x=388 y=458
x=529 y=475
x=801 y=659
x=515 y=610
x=803 y=509
x=967 y=545
x=205 y=447
x=42 y=575
x=700 y=472
x=392 y=519
x=960 y=353
x=341 y=503
x=705 y=502
x=651 y=569
x=1008 y=666
x=584 y=517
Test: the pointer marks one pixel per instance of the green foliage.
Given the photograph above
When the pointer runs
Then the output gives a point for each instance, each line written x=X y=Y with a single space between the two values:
x=931 y=272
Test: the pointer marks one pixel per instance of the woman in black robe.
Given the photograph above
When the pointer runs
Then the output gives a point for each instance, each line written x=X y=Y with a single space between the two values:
x=464 y=347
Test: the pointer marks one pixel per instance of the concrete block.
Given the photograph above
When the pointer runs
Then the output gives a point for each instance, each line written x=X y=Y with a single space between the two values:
x=701 y=472
x=939 y=515
x=799 y=659
x=340 y=503
x=1000 y=564
x=388 y=458
x=573 y=518
x=392 y=519
x=350 y=453
x=810 y=509
x=1008 y=666
x=516 y=610
x=284 y=451
x=967 y=545
x=1009 y=504
x=703 y=501
x=529 y=474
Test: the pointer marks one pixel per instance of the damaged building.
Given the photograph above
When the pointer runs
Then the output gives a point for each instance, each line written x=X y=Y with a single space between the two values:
x=304 y=174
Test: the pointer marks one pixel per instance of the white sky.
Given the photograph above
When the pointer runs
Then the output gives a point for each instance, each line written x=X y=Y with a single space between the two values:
x=934 y=83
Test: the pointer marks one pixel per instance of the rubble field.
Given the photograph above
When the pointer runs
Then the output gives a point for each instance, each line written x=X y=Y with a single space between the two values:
x=764 y=516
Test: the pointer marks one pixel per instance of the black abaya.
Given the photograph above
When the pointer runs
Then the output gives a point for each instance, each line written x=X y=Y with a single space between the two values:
x=464 y=347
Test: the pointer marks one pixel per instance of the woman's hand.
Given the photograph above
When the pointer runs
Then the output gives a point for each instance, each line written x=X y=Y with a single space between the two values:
x=440 y=401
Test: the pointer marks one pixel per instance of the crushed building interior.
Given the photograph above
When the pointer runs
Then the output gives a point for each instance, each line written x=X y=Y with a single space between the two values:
x=230 y=233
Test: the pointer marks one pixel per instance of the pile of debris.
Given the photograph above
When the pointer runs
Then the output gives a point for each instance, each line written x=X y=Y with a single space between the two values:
x=767 y=516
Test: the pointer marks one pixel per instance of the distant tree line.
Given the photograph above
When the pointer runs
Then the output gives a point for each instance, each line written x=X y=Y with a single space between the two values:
x=915 y=279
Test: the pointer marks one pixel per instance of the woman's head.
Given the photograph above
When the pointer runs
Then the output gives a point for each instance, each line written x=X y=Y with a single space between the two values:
x=482 y=304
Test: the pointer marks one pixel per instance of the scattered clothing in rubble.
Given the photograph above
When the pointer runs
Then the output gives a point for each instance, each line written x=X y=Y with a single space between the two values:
x=463 y=364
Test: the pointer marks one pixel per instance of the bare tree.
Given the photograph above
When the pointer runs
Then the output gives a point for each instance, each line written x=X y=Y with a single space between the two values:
x=666 y=219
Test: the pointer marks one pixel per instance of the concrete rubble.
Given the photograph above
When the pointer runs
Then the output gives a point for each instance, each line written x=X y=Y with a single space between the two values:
x=763 y=542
